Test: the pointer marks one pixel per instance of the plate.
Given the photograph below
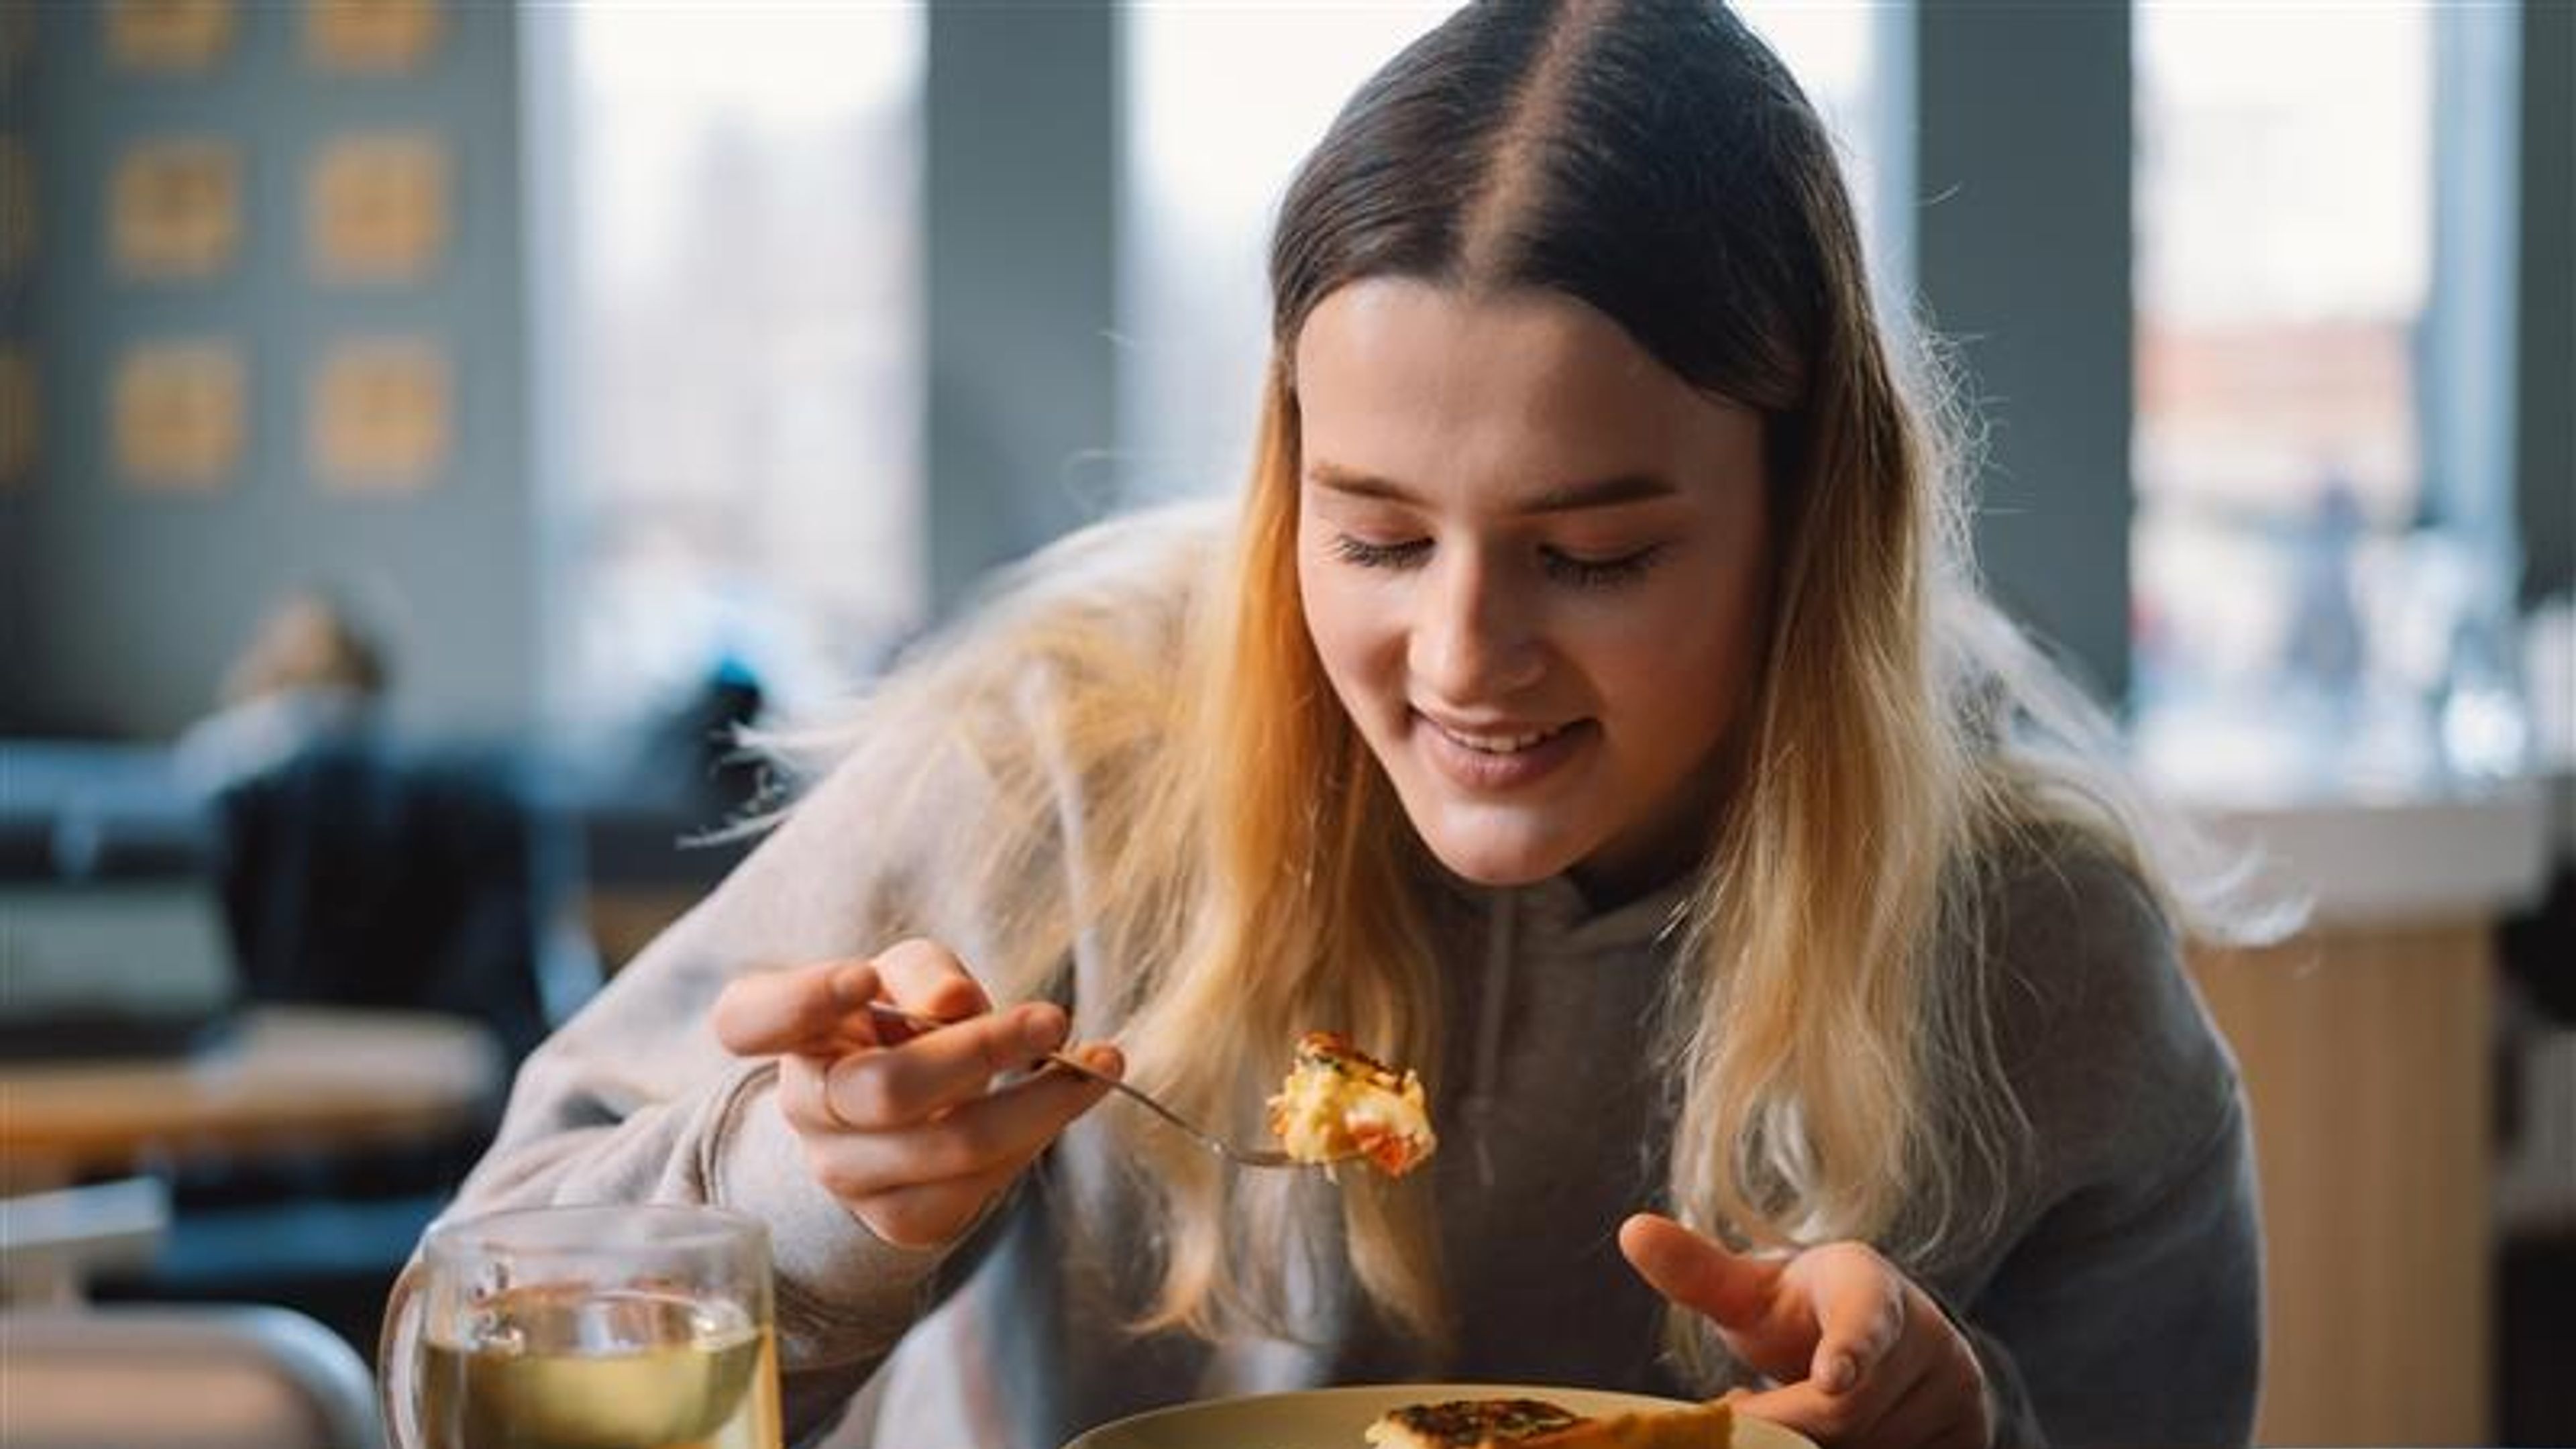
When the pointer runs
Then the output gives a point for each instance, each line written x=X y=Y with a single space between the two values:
x=1336 y=1418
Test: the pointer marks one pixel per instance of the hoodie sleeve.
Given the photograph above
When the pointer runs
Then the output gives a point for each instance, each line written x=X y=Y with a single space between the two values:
x=2128 y=1308
x=633 y=1100
x=951 y=819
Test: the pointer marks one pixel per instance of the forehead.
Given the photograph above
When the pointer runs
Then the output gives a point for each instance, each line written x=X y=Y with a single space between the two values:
x=1401 y=376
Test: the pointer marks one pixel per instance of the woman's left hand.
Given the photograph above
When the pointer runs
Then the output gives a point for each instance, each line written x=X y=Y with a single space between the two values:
x=1862 y=1356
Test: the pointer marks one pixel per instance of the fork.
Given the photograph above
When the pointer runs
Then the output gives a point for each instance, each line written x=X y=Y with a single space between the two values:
x=1231 y=1152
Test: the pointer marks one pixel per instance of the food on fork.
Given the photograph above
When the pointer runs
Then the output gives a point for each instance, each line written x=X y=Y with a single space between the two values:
x=1538 y=1424
x=1339 y=1102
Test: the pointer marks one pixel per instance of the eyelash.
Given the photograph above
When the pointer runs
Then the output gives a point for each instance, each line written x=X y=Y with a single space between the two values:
x=1564 y=568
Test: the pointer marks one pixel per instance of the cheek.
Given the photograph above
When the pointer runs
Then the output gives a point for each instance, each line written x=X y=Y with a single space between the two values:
x=1344 y=629
x=1682 y=676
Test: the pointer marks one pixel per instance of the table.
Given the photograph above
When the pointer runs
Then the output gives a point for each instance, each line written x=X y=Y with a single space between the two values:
x=286 y=1079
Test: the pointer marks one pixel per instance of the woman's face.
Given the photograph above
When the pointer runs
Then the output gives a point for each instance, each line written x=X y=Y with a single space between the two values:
x=1532 y=560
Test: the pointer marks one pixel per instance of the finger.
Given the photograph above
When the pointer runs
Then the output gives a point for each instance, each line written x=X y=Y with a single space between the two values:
x=999 y=1132
x=1860 y=1312
x=1695 y=1272
x=868 y=1172
x=800 y=1097
x=1901 y=1402
x=796 y=1009
x=896 y=1087
x=926 y=977
x=1894 y=1401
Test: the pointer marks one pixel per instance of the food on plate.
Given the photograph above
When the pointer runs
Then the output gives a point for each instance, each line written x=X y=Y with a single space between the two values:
x=1538 y=1424
x=1467 y=1423
x=1339 y=1102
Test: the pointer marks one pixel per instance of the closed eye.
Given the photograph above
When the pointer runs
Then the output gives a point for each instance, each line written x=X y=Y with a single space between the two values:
x=1565 y=568
x=1600 y=573
x=1380 y=555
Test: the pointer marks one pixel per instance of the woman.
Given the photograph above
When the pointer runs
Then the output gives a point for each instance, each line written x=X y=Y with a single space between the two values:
x=1590 y=705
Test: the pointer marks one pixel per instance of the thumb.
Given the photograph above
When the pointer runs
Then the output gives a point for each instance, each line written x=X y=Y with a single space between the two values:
x=1695 y=1271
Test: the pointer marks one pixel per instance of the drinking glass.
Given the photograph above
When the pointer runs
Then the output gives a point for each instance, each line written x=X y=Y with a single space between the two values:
x=607 y=1327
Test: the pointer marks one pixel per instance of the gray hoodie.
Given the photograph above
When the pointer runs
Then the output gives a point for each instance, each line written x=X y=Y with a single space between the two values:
x=2116 y=1301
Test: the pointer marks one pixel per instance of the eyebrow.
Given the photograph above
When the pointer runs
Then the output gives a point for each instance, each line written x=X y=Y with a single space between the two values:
x=1607 y=492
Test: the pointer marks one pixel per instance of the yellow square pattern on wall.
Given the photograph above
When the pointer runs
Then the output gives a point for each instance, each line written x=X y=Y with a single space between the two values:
x=175 y=209
x=168 y=35
x=379 y=419
x=180 y=415
x=370 y=35
x=376 y=207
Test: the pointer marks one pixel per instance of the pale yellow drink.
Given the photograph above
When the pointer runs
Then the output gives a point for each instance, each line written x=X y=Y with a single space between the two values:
x=605 y=1371
x=600 y=1327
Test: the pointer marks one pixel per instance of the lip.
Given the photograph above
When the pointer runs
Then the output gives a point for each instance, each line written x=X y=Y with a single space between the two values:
x=1485 y=770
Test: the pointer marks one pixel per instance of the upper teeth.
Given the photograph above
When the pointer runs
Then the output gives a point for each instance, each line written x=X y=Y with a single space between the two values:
x=1498 y=744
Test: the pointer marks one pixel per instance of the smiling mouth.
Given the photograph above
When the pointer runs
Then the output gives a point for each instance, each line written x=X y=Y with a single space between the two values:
x=1497 y=744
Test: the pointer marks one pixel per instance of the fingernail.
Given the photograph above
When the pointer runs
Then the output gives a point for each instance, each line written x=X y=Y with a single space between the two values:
x=1042 y=1028
x=1105 y=1059
x=1841 y=1373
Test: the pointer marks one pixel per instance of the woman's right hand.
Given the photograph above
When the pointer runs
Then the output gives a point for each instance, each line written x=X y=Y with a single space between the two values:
x=906 y=1129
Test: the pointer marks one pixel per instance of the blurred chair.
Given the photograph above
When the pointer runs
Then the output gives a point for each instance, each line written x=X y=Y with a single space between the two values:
x=194 y=1377
x=51 y=1242
x=155 y=1376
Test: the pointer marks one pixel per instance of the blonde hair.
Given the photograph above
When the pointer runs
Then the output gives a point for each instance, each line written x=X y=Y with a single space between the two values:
x=1827 y=1036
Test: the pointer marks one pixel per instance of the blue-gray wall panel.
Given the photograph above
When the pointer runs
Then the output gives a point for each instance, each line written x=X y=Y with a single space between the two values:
x=138 y=599
x=2022 y=250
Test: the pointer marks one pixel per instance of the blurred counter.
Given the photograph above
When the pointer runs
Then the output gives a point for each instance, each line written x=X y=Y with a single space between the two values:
x=2367 y=1042
x=2407 y=858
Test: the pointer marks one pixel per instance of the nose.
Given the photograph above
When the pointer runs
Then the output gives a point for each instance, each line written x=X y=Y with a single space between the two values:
x=1475 y=637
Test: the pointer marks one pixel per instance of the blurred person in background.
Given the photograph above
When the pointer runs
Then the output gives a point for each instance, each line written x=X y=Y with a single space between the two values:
x=360 y=866
x=1591 y=703
x=313 y=671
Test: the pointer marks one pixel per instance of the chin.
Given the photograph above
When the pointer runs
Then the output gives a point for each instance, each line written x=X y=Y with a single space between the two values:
x=1476 y=855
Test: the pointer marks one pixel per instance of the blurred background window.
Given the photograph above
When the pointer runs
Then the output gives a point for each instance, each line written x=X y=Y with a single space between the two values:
x=727 y=287
x=1223 y=100
x=2316 y=603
